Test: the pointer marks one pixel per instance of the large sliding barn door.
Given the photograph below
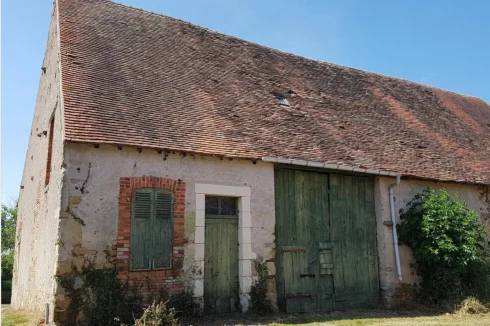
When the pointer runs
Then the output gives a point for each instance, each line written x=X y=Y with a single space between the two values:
x=325 y=240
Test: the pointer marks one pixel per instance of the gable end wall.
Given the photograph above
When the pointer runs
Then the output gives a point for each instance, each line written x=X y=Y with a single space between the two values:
x=39 y=205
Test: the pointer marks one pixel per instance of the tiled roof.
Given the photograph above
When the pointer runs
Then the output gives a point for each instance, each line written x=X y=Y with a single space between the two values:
x=132 y=77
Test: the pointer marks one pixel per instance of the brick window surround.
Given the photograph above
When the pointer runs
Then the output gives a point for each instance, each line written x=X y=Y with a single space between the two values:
x=155 y=282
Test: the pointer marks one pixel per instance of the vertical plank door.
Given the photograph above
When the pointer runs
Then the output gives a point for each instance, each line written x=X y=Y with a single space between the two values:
x=353 y=228
x=221 y=265
x=304 y=281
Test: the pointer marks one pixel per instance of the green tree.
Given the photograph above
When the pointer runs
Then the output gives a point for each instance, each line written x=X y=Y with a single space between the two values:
x=9 y=224
x=448 y=244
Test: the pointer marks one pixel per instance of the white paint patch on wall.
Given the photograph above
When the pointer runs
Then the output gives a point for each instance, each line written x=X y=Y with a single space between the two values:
x=477 y=198
x=98 y=206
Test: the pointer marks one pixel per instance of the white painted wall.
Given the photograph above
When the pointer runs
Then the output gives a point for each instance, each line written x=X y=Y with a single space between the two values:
x=39 y=205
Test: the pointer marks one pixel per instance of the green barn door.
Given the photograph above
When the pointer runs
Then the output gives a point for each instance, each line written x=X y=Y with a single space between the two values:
x=304 y=252
x=325 y=241
x=353 y=227
x=221 y=265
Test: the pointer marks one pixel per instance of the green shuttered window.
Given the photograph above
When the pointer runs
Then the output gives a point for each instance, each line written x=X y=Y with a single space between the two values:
x=151 y=229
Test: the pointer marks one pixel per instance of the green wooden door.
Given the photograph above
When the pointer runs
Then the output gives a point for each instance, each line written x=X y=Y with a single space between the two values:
x=353 y=227
x=304 y=281
x=325 y=241
x=221 y=265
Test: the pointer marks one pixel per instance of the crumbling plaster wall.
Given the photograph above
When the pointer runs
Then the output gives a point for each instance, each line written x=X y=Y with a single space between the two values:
x=39 y=205
x=90 y=200
x=477 y=198
x=90 y=206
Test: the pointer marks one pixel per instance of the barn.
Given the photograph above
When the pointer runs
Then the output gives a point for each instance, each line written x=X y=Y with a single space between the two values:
x=177 y=156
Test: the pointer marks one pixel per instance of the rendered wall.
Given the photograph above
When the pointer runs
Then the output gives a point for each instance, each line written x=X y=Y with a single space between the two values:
x=39 y=205
x=477 y=198
x=90 y=201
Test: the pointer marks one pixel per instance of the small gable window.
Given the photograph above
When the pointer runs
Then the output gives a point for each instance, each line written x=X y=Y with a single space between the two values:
x=152 y=223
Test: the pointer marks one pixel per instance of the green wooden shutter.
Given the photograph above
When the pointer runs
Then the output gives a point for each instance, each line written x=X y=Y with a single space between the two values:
x=140 y=243
x=163 y=229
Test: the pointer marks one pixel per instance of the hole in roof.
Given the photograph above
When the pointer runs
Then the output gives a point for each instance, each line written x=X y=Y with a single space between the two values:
x=282 y=100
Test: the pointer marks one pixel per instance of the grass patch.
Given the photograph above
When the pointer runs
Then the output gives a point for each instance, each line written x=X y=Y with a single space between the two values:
x=339 y=319
x=12 y=317
x=353 y=317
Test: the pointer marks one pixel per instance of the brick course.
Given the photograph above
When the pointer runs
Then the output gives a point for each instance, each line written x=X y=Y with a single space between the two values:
x=150 y=283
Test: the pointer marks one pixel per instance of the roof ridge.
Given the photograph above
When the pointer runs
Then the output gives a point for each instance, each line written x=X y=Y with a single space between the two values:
x=288 y=53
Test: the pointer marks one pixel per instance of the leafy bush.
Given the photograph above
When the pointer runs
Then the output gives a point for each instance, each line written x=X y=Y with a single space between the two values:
x=158 y=315
x=447 y=240
x=183 y=303
x=99 y=295
x=258 y=292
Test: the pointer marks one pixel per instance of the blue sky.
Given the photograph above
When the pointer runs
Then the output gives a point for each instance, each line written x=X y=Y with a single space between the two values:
x=441 y=43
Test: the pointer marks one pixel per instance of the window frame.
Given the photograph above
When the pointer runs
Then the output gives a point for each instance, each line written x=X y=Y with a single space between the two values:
x=219 y=207
x=153 y=210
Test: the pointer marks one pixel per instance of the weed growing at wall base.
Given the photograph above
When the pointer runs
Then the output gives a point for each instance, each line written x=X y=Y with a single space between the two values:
x=184 y=304
x=157 y=315
x=447 y=240
x=98 y=298
x=258 y=292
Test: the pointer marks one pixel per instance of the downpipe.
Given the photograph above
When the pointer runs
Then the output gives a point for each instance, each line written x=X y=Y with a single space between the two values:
x=393 y=220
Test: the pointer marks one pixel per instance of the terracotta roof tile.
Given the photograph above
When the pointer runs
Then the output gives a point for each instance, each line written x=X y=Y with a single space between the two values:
x=131 y=77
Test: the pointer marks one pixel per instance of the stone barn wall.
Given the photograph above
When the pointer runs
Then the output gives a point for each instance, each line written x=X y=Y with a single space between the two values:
x=95 y=186
x=477 y=198
x=98 y=182
x=36 y=249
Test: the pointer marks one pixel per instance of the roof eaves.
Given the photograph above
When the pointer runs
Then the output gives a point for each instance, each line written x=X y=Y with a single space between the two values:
x=329 y=166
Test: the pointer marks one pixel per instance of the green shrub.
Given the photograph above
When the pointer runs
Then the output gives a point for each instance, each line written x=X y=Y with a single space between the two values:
x=100 y=297
x=447 y=240
x=258 y=292
x=183 y=303
x=158 y=315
